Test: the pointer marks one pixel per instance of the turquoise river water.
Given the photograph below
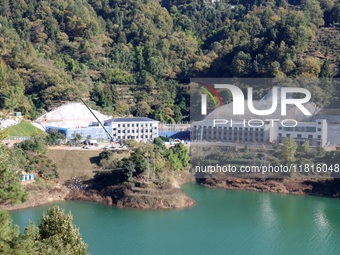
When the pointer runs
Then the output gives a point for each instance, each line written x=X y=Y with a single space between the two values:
x=222 y=222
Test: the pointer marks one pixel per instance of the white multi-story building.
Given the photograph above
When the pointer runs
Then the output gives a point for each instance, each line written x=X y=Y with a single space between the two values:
x=137 y=128
x=205 y=130
x=313 y=132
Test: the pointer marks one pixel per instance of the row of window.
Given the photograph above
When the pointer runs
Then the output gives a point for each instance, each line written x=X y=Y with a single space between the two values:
x=133 y=137
x=229 y=128
x=136 y=125
x=300 y=136
x=300 y=129
x=229 y=133
x=134 y=131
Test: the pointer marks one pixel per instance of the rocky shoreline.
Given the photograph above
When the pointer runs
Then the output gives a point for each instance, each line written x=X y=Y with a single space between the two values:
x=40 y=195
x=316 y=187
x=122 y=196
x=126 y=196
x=140 y=198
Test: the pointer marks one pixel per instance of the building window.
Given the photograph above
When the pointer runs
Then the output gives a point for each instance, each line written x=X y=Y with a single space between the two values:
x=310 y=136
x=319 y=136
x=310 y=129
x=118 y=125
x=288 y=135
x=299 y=129
x=319 y=129
x=280 y=128
x=288 y=129
x=299 y=136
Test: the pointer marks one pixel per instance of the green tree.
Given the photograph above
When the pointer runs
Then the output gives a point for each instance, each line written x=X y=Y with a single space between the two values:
x=37 y=144
x=8 y=234
x=59 y=235
x=325 y=70
x=288 y=150
x=11 y=190
x=139 y=162
x=182 y=153
x=142 y=109
x=55 y=235
x=3 y=134
x=55 y=138
x=305 y=147
x=77 y=138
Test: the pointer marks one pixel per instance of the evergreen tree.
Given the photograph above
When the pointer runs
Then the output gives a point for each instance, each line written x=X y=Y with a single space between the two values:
x=288 y=150
x=11 y=190
x=59 y=235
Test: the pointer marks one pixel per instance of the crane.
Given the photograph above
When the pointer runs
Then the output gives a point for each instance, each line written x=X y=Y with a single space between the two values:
x=100 y=123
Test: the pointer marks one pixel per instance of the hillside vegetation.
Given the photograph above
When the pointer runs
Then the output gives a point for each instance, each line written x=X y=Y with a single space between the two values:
x=57 y=51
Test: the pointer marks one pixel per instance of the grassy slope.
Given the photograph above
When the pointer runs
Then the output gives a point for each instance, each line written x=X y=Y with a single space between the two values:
x=24 y=128
x=79 y=163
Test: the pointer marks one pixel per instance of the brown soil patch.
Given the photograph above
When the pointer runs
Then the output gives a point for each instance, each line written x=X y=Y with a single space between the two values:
x=40 y=194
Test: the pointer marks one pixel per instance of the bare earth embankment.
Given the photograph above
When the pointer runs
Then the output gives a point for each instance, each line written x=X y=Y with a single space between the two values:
x=317 y=187
x=40 y=194
x=76 y=162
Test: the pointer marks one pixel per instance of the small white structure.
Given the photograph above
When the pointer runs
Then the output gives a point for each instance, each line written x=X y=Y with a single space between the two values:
x=27 y=177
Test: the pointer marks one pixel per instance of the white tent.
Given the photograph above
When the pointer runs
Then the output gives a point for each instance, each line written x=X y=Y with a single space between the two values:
x=70 y=115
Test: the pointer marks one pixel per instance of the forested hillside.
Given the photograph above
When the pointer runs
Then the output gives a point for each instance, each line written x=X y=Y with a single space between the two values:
x=56 y=51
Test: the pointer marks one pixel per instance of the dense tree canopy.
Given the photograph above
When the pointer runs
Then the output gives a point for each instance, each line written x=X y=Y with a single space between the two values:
x=55 y=235
x=56 y=51
x=10 y=179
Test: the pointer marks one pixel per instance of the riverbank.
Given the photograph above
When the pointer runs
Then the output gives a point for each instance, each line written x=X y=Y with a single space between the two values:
x=316 y=187
x=40 y=194
x=140 y=195
x=123 y=196
x=149 y=196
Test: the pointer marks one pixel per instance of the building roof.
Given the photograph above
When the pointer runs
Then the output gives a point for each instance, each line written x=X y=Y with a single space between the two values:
x=70 y=115
x=131 y=119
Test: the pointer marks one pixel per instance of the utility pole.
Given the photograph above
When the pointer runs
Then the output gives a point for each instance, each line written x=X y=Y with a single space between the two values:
x=154 y=167
x=148 y=169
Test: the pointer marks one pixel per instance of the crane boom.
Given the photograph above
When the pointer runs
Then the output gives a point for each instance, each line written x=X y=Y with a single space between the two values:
x=107 y=132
